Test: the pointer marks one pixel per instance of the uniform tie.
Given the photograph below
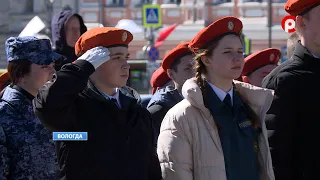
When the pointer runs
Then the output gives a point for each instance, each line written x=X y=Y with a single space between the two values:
x=115 y=102
x=227 y=101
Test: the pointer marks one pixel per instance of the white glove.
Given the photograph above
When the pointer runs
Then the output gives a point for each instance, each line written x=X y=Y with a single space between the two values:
x=96 y=56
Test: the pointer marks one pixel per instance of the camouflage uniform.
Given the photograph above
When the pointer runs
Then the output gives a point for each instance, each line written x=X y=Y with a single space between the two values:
x=27 y=151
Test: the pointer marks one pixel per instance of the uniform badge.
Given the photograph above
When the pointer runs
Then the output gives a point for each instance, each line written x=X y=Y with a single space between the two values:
x=124 y=36
x=230 y=25
x=245 y=124
x=272 y=57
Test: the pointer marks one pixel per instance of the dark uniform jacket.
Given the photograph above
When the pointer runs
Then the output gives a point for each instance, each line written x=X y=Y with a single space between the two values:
x=120 y=141
x=293 y=117
x=160 y=103
x=237 y=135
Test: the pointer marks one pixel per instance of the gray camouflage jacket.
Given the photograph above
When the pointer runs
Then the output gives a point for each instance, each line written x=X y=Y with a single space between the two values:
x=26 y=147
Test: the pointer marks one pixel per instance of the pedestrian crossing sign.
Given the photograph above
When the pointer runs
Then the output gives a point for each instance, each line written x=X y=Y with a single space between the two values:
x=151 y=15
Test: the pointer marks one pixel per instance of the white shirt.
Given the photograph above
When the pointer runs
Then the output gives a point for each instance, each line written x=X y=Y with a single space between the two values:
x=315 y=56
x=221 y=94
x=115 y=96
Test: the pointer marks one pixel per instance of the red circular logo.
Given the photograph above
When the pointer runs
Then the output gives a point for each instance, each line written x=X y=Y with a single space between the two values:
x=288 y=23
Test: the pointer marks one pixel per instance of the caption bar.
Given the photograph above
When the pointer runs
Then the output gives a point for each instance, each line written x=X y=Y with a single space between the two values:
x=70 y=136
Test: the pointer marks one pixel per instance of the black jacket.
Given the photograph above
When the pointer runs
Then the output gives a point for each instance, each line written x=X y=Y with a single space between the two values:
x=120 y=141
x=294 y=117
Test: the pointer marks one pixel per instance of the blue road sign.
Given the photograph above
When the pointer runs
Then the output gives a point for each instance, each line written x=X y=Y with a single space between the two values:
x=153 y=54
x=151 y=15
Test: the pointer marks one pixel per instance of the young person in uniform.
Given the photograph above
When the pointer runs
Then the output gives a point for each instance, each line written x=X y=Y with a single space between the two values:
x=218 y=130
x=293 y=116
x=159 y=79
x=259 y=64
x=178 y=66
x=90 y=96
x=26 y=146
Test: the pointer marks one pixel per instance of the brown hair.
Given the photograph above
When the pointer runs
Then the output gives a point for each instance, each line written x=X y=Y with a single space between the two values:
x=201 y=69
x=18 y=69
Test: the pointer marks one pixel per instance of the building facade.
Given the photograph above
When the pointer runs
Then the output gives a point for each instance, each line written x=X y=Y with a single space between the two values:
x=109 y=12
x=191 y=15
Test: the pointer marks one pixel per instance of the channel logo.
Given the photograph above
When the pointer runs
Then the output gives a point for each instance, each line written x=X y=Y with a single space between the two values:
x=288 y=23
x=70 y=136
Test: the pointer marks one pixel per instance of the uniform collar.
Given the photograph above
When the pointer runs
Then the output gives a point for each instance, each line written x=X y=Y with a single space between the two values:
x=29 y=96
x=21 y=101
x=115 y=96
x=302 y=52
x=315 y=56
x=220 y=93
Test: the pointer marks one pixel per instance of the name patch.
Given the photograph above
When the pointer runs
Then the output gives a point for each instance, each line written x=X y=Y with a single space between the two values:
x=245 y=124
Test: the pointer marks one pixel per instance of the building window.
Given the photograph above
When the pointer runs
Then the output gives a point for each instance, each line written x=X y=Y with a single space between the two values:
x=115 y=3
x=245 y=1
x=260 y=1
x=278 y=1
x=173 y=2
x=139 y=3
x=145 y=1
x=217 y=2
x=29 y=6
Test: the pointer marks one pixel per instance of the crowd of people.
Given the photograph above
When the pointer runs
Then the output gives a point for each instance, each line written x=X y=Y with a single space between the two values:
x=214 y=114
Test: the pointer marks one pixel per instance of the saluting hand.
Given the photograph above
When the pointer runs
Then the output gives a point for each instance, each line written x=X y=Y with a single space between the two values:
x=96 y=56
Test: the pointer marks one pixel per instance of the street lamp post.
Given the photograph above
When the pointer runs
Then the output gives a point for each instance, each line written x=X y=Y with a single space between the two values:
x=101 y=12
x=149 y=36
x=194 y=11
x=49 y=7
x=270 y=22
